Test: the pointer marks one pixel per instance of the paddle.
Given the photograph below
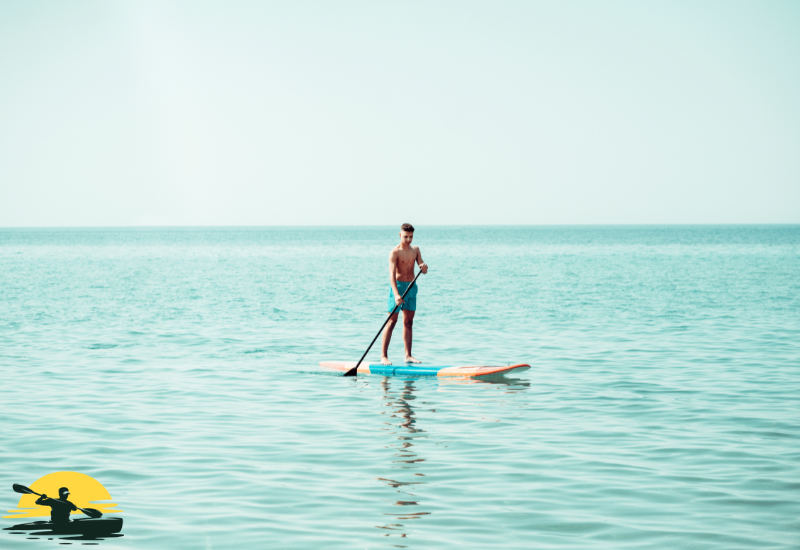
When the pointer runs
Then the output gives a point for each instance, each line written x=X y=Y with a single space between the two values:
x=91 y=512
x=352 y=372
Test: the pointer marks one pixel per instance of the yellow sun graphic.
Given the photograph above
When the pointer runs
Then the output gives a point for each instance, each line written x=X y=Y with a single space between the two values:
x=84 y=491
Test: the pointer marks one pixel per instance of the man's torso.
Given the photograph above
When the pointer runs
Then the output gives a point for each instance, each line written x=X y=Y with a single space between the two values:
x=404 y=265
x=60 y=509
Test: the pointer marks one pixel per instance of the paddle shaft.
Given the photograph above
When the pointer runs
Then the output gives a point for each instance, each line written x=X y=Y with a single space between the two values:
x=354 y=370
x=22 y=489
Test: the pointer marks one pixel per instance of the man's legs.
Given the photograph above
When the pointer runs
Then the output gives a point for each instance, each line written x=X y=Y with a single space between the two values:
x=408 y=334
x=387 y=337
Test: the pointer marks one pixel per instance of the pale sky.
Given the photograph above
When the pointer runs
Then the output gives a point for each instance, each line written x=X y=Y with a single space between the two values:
x=317 y=113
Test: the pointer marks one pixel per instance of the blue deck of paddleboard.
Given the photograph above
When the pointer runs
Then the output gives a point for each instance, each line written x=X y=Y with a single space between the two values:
x=406 y=370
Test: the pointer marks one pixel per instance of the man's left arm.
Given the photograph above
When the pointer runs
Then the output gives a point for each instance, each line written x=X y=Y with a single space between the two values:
x=422 y=265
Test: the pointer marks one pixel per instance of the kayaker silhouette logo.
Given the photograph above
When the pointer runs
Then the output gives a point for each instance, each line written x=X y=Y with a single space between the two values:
x=59 y=496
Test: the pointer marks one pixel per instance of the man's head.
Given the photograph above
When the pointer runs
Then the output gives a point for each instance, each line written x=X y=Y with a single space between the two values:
x=63 y=493
x=406 y=233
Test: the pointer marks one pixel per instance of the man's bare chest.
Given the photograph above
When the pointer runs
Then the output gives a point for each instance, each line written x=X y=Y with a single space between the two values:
x=406 y=257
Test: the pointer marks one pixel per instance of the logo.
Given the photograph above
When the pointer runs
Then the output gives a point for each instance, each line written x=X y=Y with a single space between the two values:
x=77 y=507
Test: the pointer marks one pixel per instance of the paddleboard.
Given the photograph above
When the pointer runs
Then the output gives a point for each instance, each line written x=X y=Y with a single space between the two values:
x=468 y=371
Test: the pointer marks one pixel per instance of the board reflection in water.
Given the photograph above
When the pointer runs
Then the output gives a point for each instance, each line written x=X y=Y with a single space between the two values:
x=401 y=424
x=407 y=467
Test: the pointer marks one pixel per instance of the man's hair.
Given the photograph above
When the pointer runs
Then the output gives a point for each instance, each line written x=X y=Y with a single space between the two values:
x=407 y=227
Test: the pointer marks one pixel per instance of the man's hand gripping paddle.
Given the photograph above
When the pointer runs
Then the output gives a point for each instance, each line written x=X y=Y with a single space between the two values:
x=91 y=512
x=354 y=370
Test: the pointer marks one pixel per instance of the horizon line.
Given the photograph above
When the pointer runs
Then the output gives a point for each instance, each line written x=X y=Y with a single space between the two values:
x=707 y=224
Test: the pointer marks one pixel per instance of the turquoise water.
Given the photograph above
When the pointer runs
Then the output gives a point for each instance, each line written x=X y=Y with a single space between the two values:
x=179 y=368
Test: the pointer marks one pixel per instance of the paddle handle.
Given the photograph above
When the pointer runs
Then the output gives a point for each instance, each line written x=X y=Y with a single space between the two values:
x=354 y=370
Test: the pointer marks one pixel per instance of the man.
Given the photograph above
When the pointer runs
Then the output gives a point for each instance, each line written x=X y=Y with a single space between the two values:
x=61 y=507
x=401 y=274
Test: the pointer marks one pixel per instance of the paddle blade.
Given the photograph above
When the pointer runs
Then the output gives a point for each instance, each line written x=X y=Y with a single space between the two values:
x=91 y=512
x=22 y=489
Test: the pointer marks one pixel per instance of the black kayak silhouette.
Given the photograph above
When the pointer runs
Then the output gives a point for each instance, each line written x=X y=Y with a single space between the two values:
x=93 y=527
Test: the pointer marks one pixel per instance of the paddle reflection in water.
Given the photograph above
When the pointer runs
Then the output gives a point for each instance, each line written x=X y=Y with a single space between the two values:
x=406 y=462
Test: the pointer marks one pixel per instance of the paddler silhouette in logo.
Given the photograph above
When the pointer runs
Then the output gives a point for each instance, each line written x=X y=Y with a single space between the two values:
x=61 y=507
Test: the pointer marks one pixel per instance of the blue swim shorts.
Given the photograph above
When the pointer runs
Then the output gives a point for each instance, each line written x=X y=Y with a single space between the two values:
x=409 y=302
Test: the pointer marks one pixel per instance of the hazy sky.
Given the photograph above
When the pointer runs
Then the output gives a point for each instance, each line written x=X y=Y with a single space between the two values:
x=494 y=112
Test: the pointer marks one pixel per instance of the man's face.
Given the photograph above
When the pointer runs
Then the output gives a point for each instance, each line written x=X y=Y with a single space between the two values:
x=406 y=237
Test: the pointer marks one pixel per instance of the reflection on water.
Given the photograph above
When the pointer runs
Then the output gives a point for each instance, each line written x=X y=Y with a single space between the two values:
x=43 y=530
x=402 y=416
x=402 y=425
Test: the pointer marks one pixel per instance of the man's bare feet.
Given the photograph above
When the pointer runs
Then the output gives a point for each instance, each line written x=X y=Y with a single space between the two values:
x=410 y=359
x=385 y=361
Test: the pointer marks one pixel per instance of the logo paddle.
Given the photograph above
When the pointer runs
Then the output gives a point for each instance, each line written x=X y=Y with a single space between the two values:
x=91 y=512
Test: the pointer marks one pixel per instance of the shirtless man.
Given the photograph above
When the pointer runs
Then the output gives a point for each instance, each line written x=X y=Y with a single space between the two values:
x=401 y=274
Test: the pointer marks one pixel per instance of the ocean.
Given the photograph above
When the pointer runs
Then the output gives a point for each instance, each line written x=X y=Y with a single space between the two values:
x=179 y=368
